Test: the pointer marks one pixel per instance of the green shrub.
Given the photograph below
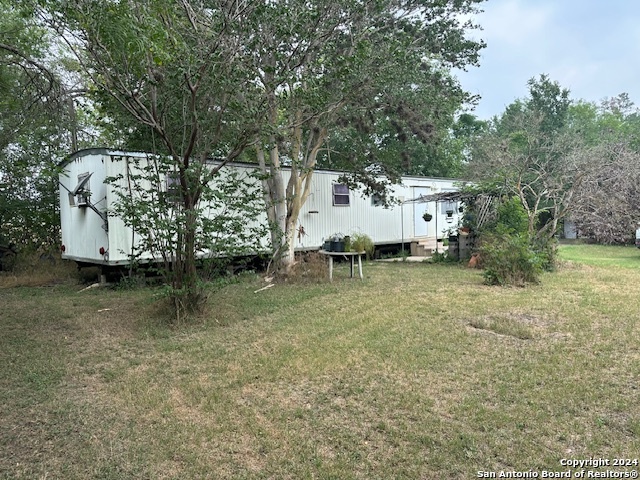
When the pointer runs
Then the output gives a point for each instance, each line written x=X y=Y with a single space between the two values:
x=512 y=217
x=363 y=243
x=547 y=251
x=443 y=257
x=509 y=260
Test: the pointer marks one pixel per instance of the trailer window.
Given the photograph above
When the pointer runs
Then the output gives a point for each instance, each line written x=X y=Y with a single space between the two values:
x=173 y=187
x=448 y=206
x=83 y=189
x=340 y=195
x=376 y=200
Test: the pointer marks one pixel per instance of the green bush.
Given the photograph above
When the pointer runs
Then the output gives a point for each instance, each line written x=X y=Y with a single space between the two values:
x=547 y=251
x=443 y=257
x=510 y=256
x=509 y=260
x=362 y=243
x=512 y=217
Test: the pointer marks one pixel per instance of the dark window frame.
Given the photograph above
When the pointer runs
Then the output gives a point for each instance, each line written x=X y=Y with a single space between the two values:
x=341 y=195
x=172 y=187
x=83 y=195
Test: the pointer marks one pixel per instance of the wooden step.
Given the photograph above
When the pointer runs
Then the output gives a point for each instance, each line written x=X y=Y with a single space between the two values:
x=426 y=247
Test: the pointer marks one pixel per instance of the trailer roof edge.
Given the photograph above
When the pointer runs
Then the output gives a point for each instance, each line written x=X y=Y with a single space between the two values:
x=114 y=152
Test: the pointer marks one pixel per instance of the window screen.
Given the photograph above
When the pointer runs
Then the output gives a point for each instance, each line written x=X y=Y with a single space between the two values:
x=448 y=207
x=340 y=194
x=173 y=187
x=83 y=189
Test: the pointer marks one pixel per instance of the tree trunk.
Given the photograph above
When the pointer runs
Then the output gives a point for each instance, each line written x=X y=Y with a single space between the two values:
x=273 y=192
x=284 y=204
x=288 y=253
x=286 y=207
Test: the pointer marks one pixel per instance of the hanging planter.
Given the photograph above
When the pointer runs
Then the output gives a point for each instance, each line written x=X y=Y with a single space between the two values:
x=427 y=217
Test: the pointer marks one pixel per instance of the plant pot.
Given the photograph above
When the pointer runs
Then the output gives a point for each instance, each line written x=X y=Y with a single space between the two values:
x=337 y=246
x=326 y=246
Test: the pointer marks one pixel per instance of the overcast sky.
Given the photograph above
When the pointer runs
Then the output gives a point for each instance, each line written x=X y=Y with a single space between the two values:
x=591 y=47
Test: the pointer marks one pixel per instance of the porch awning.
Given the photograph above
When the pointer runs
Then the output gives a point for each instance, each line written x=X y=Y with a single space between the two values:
x=442 y=197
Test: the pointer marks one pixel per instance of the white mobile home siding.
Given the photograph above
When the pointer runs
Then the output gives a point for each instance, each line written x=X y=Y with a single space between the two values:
x=82 y=229
x=383 y=225
x=83 y=235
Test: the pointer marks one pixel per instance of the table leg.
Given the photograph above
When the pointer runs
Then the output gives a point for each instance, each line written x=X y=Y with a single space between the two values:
x=360 y=266
x=330 y=268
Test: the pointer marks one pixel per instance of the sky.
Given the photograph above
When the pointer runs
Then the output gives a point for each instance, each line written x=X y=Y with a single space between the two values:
x=591 y=47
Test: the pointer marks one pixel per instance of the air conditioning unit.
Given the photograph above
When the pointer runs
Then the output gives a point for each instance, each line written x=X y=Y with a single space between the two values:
x=82 y=200
x=82 y=191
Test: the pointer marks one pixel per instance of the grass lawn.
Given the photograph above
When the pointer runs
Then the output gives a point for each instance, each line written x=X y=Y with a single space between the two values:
x=418 y=372
x=602 y=256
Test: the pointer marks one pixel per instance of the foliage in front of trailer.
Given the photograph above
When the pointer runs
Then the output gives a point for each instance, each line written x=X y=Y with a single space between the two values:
x=510 y=254
x=149 y=202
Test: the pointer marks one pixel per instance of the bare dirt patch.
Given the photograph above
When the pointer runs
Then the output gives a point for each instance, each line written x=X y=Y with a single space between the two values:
x=522 y=326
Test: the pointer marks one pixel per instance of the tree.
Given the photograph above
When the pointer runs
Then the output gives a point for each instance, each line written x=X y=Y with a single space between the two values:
x=422 y=140
x=551 y=102
x=566 y=160
x=35 y=127
x=28 y=85
x=544 y=173
x=209 y=79
x=177 y=69
x=532 y=154
x=149 y=204
x=346 y=81
x=607 y=205
x=614 y=120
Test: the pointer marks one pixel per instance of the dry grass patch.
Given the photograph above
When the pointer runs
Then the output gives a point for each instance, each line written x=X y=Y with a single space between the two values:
x=32 y=271
x=377 y=379
x=310 y=267
x=517 y=325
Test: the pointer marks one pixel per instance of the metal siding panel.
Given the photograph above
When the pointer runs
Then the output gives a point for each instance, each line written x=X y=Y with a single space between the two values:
x=82 y=232
x=119 y=234
x=83 y=235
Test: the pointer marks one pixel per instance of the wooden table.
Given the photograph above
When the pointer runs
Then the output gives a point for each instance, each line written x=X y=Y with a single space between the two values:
x=352 y=257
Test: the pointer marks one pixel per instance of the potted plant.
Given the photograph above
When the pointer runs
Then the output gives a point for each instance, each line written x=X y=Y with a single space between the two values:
x=427 y=217
x=337 y=242
x=363 y=243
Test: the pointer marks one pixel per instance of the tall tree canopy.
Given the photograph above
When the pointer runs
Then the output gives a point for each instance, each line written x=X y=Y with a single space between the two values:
x=176 y=72
x=565 y=160
x=528 y=152
x=607 y=204
x=297 y=81
x=34 y=130
x=355 y=86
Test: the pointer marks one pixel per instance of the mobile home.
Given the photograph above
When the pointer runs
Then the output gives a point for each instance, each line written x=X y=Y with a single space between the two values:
x=92 y=234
